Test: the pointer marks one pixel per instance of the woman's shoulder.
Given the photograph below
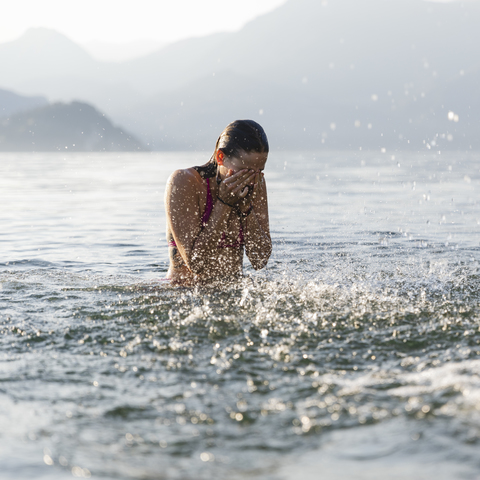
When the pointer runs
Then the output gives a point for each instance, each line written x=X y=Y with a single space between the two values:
x=185 y=176
x=184 y=184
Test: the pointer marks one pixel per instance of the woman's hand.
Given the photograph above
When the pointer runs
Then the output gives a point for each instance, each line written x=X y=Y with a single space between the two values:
x=246 y=203
x=235 y=187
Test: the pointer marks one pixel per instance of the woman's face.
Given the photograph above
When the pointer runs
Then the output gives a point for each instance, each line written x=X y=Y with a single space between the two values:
x=249 y=160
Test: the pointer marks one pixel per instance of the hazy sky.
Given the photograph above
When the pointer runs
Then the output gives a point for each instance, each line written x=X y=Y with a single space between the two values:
x=121 y=21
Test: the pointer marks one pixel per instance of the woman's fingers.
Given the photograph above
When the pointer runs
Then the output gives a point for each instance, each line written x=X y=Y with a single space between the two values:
x=237 y=186
x=243 y=193
x=237 y=180
x=232 y=176
x=245 y=182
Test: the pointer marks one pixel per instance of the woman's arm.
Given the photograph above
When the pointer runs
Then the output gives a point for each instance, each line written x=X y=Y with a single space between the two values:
x=197 y=246
x=255 y=224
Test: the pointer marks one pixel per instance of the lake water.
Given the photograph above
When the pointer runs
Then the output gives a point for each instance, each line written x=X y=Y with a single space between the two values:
x=354 y=355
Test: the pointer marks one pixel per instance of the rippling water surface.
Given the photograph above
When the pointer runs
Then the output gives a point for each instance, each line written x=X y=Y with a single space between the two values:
x=355 y=354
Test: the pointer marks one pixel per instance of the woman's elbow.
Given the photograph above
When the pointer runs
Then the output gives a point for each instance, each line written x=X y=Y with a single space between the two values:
x=196 y=264
x=260 y=261
x=259 y=265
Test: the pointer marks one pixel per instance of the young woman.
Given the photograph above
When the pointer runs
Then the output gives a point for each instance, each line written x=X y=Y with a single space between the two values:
x=216 y=211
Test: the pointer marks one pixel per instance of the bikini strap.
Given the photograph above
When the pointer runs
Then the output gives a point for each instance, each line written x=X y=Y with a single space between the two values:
x=208 y=206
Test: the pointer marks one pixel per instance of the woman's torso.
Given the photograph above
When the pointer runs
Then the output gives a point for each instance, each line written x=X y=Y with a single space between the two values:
x=227 y=259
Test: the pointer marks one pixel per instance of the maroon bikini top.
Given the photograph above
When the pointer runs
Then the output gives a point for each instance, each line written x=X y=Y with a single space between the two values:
x=205 y=217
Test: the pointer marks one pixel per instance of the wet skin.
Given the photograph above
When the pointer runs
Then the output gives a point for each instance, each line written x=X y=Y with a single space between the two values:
x=242 y=189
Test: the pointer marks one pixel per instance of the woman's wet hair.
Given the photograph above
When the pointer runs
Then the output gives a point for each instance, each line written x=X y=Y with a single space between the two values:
x=240 y=135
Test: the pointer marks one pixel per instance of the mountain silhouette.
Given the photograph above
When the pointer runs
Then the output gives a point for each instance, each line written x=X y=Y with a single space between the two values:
x=348 y=73
x=64 y=127
x=11 y=102
x=42 y=53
